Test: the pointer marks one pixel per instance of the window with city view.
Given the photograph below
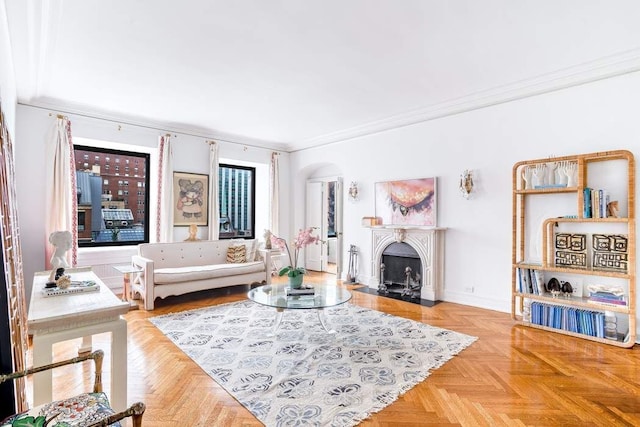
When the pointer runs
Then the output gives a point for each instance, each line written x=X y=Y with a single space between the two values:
x=237 y=201
x=112 y=196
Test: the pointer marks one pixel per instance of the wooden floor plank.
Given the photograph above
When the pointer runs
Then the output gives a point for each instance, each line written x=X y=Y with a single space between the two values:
x=512 y=376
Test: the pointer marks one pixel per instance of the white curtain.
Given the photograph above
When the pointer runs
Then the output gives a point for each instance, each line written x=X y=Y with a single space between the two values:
x=164 y=218
x=274 y=194
x=214 y=197
x=62 y=203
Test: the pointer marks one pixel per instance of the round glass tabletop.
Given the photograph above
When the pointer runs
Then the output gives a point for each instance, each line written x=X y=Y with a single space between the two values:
x=275 y=295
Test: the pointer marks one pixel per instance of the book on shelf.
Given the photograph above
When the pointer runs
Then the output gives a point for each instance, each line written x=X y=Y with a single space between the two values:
x=530 y=281
x=595 y=203
x=586 y=207
x=609 y=302
x=577 y=320
x=76 y=287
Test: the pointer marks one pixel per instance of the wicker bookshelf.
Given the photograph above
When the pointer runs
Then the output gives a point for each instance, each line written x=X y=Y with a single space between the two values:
x=539 y=234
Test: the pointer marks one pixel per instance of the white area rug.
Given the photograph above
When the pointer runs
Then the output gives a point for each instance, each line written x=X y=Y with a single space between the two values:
x=303 y=376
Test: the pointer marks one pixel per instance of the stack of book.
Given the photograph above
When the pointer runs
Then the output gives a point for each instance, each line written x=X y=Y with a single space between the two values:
x=74 y=288
x=304 y=290
x=607 y=298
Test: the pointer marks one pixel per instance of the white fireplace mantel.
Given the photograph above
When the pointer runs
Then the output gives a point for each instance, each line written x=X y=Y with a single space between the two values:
x=427 y=241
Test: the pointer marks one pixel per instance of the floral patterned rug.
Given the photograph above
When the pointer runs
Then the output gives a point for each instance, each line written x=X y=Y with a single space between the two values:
x=303 y=376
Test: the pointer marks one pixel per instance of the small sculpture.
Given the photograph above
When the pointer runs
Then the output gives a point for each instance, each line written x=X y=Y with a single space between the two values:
x=567 y=289
x=193 y=233
x=63 y=282
x=61 y=241
x=527 y=177
x=267 y=239
x=561 y=173
x=571 y=171
x=538 y=175
x=550 y=173
x=554 y=287
x=612 y=209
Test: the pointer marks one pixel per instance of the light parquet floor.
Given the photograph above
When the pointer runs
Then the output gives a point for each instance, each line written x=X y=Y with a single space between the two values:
x=511 y=376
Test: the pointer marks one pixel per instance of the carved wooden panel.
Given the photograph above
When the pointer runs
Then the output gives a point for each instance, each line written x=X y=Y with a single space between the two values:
x=13 y=279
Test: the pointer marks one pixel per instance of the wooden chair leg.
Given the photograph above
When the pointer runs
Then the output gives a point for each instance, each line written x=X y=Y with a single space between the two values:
x=137 y=409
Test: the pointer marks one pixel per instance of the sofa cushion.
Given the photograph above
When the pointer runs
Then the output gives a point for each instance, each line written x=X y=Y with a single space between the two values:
x=251 y=246
x=237 y=253
x=82 y=410
x=201 y=272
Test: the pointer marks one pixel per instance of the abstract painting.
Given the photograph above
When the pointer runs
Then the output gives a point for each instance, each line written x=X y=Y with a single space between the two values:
x=407 y=202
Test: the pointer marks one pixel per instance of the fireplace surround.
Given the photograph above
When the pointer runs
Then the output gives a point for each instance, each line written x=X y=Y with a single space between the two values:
x=428 y=244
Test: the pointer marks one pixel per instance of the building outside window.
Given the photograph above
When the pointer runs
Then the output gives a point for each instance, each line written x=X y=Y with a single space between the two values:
x=237 y=201
x=104 y=216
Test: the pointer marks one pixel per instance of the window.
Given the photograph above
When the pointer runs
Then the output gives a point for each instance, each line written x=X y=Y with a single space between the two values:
x=103 y=206
x=237 y=201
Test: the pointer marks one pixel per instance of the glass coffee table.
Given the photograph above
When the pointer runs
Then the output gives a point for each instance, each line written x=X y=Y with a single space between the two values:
x=275 y=295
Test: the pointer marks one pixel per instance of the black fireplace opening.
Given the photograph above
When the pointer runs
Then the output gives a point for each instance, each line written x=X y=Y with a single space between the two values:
x=400 y=272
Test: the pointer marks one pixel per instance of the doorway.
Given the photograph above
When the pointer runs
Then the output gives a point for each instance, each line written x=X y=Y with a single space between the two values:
x=324 y=212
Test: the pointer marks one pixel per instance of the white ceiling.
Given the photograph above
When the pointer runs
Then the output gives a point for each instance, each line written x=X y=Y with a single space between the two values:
x=298 y=73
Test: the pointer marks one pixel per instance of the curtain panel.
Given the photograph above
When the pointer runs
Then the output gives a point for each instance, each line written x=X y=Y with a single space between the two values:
x=62 y=197
x=214 y=197
x=164 y=208
x=274 y=194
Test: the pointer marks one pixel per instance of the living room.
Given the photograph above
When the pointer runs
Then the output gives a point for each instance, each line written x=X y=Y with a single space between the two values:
x=582 y=99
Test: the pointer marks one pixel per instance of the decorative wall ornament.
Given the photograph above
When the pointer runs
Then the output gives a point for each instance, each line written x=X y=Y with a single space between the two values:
x=353 y=191
x=610 y=252
x=571 y=250
x=466 y=183
x=399 y=234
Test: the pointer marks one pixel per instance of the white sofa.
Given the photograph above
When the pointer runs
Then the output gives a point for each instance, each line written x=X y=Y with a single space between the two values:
x=183 y=267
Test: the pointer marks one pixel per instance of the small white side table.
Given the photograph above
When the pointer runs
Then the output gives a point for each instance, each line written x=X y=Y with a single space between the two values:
x=65 y=317
x=272 y=259
x=127 y=291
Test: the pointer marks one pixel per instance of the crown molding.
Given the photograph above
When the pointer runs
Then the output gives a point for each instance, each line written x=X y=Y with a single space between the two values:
x=178 y=128
x=603 y=68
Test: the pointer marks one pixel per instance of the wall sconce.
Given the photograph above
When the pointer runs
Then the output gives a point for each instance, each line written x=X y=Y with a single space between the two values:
x=466 y=183
x=353 y=191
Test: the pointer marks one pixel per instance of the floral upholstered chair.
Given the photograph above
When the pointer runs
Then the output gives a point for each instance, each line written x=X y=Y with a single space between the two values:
x=84 y=410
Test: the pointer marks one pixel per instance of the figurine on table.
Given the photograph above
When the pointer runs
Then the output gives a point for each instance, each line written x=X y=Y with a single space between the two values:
x=61 y=241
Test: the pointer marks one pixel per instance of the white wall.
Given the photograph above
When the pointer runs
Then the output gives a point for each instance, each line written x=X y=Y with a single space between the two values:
x=191 y=154
x=593 y=117
x=7 y=77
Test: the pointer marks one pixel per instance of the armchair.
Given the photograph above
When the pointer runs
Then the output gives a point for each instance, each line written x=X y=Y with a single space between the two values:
x=84 y=410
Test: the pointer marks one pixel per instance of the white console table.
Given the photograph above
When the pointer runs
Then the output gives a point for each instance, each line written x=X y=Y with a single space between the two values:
x=64 y=317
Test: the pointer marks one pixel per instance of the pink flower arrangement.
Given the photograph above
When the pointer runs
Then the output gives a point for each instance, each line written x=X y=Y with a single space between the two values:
x=304 y=238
